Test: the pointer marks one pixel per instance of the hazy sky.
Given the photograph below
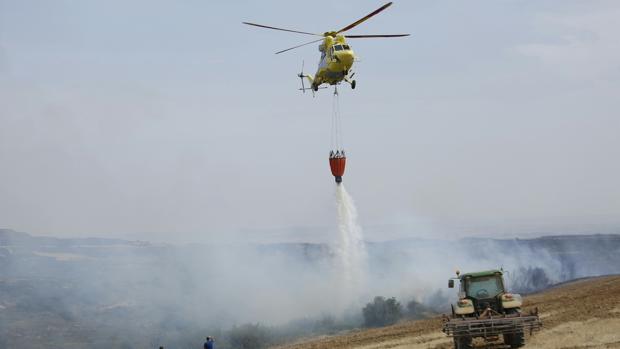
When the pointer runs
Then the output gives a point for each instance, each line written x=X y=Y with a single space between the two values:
x=172 y=120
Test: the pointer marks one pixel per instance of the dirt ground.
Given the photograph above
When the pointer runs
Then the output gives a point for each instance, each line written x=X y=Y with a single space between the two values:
x=579 y=314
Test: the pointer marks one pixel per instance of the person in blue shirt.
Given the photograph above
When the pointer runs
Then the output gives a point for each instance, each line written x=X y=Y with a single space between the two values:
x=209 y=344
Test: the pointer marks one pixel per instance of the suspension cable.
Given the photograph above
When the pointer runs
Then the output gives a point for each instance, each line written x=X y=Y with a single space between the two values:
x=336 y=134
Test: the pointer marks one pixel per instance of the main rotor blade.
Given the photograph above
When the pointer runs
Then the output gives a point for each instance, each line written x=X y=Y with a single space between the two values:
x=376 y=36
x=359 y=21
x=286 y=30
x=307 y=43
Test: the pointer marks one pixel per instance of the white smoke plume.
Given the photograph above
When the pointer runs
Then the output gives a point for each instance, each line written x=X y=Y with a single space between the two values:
x=126 y=294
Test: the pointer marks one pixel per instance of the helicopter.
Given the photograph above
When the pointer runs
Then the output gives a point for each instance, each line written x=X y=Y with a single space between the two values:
x=337 y=56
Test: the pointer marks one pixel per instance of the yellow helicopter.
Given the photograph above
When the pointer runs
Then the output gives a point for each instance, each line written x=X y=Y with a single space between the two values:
x=337 y=57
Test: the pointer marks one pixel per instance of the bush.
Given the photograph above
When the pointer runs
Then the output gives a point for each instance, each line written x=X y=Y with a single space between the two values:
x=416 y=310
x=249 y=336
x=326 y=324
x=382 y=312
x=530 y=279
x=438 y=302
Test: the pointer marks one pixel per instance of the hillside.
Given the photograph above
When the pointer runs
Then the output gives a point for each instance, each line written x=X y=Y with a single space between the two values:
x=109 y=293
x=579 y=314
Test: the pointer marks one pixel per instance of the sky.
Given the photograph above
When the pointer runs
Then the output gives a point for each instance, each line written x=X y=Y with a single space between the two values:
x=172 y=121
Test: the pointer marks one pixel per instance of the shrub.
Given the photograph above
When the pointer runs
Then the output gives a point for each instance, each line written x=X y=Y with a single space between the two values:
x=249 y=336
x=437 y=302
x=416 y=310
x=326 y=324
x=382 y=312
x=530 y=279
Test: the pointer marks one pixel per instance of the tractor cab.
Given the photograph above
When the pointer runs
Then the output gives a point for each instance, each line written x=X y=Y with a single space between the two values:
x=484 y=289
x=482 y=286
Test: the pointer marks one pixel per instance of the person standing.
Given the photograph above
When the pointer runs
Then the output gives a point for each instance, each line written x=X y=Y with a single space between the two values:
x=209 y=344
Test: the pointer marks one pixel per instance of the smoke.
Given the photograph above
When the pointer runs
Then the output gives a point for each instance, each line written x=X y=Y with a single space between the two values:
x=139 y=292
x=351 y=248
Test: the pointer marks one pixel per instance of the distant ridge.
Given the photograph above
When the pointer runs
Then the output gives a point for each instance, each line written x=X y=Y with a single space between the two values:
x=10 y=237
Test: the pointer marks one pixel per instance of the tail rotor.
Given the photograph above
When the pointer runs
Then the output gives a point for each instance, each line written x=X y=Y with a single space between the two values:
x=301 y=77
x=313 y=87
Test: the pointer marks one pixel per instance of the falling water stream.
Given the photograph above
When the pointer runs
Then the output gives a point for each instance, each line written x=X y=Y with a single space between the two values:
x=352 y=251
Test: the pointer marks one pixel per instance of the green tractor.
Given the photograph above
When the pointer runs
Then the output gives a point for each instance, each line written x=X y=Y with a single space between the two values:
x=486 y=310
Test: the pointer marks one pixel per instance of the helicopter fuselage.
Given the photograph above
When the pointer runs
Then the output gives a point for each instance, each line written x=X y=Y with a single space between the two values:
x=337 y=58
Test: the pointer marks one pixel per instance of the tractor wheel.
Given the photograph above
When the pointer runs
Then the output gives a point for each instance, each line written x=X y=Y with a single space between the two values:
x=517 y=339
x=353 y=84
x=462 y=343
x=514 y=340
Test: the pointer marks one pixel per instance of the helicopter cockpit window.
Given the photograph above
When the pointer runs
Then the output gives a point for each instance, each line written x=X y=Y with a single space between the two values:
x=346 y=47
x=338 y=47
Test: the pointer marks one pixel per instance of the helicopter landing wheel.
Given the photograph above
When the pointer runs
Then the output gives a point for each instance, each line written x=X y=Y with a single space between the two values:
x=315 y=88
x=353 y=85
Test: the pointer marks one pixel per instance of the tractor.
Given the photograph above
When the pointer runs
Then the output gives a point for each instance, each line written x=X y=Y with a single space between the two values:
x=486 y=310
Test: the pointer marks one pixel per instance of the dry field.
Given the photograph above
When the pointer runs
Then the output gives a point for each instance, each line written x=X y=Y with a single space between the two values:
x=579 y=314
